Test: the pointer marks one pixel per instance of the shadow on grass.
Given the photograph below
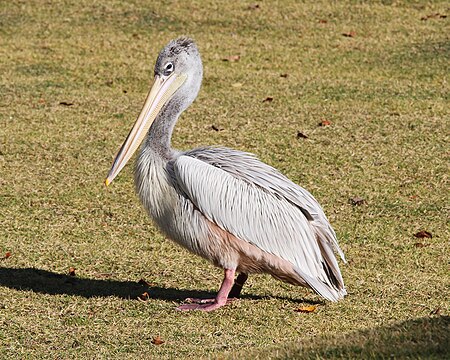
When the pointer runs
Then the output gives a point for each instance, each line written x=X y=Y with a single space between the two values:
x=47 y=282
x=426 y=338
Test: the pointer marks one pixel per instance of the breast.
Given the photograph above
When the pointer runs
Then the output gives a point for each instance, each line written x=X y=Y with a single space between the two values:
x=153 y=186
x=172 y=212
x=176 y=216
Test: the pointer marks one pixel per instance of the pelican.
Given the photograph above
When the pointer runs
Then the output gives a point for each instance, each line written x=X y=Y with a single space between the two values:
x=222 y=204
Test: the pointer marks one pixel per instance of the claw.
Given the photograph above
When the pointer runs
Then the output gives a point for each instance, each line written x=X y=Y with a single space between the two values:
x=212 y=304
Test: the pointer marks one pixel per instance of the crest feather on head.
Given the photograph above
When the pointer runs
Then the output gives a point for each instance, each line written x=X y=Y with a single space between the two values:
x=181 y=44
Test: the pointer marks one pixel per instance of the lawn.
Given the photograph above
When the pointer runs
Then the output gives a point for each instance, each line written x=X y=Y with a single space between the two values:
x=348 y=99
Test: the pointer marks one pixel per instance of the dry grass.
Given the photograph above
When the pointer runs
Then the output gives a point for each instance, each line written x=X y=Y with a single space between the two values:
x=385 y=92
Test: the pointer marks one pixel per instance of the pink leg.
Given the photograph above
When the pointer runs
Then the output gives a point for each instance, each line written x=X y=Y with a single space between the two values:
x=221 y=297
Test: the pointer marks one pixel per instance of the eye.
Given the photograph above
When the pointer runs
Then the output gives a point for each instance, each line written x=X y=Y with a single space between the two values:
x=168 y=68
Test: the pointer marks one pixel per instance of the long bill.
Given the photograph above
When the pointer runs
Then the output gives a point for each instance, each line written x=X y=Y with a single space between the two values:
x=162 y=90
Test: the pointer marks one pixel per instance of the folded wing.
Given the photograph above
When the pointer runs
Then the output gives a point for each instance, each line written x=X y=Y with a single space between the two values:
x=256 y=203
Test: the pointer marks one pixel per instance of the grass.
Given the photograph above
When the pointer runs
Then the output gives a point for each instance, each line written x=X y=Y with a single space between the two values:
x=384 y=90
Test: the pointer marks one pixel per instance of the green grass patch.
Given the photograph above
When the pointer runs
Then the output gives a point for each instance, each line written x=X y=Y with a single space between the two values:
x=385 y=92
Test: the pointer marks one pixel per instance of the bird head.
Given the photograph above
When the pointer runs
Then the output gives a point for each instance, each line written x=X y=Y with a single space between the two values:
x=178 y=76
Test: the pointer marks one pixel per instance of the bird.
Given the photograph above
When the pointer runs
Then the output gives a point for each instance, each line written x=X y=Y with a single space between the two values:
x=222 y=204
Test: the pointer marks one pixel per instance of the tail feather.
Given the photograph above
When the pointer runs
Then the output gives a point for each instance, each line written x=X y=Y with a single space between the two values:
x=325 y=290
x=329 y=283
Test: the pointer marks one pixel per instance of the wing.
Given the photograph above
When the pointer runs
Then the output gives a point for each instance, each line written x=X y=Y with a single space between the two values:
x=256 y=203
x=247 y=167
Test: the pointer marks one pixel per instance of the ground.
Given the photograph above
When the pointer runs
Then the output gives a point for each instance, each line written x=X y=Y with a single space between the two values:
x=348 y=99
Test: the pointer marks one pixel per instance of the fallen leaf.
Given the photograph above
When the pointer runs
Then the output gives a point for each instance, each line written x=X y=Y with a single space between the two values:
x=157 y=340
x=7 y=255
x=420 y=245
x=325 y=123
x=433 y=16
x=356 y=201
x=144 y=296
x=253 y=7
x=268 y=99
x=65 y=103
x=72 y=271
x=284 y=75
x=436 y=311
x=349 y=34
x=322 y=21
x=300 y=135
x=306 y=309
x=232 y=58
x=423 y=234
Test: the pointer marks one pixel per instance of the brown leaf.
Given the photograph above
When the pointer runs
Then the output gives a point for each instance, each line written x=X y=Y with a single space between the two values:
x=423 y=234
x=420 y=245
x=433 y=16
x=436 y=311
x=232 y=58
x=325 y=123
x=253 y=7
x=72 y=271
x=300 y=135
x=306 y=309
x=65 y=103
x=322 y=21
x=157 y=340
x=356 y=201
x=349 y=34
x=144 y=296
x=268 y=99
x=7 y=255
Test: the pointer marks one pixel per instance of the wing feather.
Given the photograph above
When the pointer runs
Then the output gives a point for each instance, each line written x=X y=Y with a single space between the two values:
x=257 y=204
x=249 y=168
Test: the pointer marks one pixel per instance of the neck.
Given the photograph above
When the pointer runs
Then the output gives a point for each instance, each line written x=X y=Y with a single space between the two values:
x=160 y=133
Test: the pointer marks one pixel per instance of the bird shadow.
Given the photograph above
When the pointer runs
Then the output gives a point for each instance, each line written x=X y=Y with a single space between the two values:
x=52 y=283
